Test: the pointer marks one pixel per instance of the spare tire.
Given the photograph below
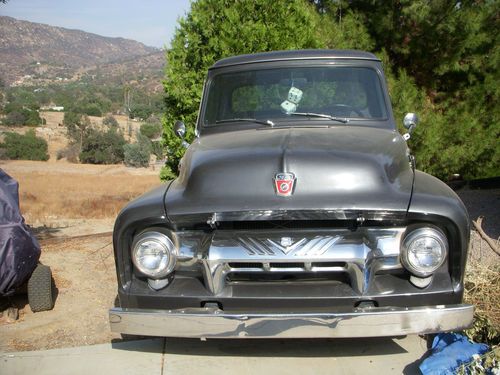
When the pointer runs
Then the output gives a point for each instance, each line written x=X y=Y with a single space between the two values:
x=40 y=292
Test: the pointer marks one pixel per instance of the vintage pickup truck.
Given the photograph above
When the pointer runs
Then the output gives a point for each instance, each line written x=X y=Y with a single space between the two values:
x=298 y=212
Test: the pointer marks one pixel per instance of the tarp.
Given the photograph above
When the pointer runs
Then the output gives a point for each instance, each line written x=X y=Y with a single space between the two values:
x=449 y=352
x=19 y=249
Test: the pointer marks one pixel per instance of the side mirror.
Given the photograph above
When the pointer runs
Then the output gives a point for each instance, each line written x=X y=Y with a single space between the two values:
x=410 y=122
x=180 y=129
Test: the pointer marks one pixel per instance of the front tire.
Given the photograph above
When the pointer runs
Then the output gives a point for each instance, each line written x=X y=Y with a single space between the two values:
x=40 y=291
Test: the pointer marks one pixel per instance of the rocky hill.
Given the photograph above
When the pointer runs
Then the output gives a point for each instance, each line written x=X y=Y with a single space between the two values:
x=33 y=53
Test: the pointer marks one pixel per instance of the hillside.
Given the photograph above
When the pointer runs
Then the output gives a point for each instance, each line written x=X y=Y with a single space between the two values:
x=33 y=53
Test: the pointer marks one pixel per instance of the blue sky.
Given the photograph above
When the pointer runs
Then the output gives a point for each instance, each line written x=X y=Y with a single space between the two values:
x=151 y=22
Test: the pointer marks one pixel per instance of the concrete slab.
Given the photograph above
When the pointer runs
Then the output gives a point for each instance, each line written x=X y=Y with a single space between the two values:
x=339 y=356
x=191 y=356
x=132 y=357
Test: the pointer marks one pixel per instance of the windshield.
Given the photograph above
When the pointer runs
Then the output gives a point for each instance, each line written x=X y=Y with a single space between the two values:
x=294 y=93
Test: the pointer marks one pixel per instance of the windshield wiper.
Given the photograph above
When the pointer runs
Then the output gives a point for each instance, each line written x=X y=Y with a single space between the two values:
x=263 y=122
x=343 y=120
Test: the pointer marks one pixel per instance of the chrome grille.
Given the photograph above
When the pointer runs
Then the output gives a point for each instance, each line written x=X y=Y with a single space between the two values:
x=300 y=247
x=357 y=254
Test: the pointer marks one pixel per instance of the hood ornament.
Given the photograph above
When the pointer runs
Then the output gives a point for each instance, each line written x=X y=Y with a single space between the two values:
x=284 y=183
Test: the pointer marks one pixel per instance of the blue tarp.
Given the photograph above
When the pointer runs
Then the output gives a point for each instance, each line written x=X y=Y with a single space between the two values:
x=449 y=352
x=19 y=249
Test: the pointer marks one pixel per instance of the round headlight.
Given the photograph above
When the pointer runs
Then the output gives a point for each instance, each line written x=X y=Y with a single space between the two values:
x=424 y=251
x=154 y=254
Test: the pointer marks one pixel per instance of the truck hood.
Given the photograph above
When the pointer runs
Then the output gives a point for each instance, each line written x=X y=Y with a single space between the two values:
x=340 y=168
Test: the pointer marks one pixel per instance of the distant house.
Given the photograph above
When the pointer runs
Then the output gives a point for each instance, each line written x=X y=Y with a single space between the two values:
x=57 y=108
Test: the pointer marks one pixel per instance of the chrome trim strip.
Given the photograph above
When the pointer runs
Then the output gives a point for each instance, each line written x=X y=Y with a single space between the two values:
x=215 y=323
x=323 y=214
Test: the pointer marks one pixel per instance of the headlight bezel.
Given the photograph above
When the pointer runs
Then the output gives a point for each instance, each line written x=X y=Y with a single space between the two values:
x=167 y=242
x=421 y=232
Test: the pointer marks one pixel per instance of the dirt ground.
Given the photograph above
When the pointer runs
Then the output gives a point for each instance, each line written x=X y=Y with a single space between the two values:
x=84 y=275
x=71 y=209
x=79 y=251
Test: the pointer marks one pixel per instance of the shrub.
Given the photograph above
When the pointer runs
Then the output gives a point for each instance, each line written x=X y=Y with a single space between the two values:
x=157 y=149
x=70 y=153
x=110 y=121
x=102 y=147
x=23 y=116
x=25 y=147
x=151 y=130
x=137 y=154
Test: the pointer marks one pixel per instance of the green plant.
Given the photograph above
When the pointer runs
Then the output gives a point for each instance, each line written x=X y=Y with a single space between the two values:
x=23 y=116
x=102 y=147
x=109 y=120
x=137 y=154
x=25 y=147
x=151 y=130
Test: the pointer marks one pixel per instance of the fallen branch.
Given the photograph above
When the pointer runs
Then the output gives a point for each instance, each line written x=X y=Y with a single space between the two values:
x=477 y=224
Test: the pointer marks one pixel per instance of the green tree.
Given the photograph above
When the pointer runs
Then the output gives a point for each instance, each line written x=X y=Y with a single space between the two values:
x=20 y=115
x=25 y=147
x=441 y=59
x=220 y=28
x=137 y=154
x=77 y=126
x=102 y=147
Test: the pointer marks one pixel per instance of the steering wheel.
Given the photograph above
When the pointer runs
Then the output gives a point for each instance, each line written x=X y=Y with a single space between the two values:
x=350 y=108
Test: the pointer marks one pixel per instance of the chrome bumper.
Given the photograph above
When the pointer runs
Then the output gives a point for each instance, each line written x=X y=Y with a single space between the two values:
x=215 y=323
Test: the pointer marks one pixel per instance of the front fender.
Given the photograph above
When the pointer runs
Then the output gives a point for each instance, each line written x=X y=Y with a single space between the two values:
x=145 y=211
x=434 y=201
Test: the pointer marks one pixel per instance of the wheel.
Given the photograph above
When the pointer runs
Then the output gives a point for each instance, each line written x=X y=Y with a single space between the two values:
x=40 y=294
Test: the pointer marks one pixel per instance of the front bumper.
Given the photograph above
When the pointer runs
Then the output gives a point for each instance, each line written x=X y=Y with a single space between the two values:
x=215 y=323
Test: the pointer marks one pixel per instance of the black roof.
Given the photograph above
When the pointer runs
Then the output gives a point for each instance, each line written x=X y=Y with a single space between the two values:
x=305 y=54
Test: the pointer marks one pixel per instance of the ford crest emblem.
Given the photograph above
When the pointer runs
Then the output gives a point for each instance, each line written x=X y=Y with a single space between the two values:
x=284 y=183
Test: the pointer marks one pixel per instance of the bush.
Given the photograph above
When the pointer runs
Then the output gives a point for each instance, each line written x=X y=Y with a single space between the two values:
x=69 y=153
x=23 y=116
x=25 y=147
x=102 y=147
x=151 y=130
x=157 y=149
x=137 y=154
x=110 y=121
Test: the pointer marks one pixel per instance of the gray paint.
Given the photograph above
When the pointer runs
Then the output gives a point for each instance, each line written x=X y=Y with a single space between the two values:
x=338 y=167
x=306 y=54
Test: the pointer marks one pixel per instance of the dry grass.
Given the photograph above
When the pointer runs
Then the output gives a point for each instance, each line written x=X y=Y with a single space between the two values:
x=482 y=288
x=76 y=196
x=50 y=197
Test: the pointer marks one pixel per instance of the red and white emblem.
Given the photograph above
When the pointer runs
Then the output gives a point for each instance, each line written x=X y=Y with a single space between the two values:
x=284 y=182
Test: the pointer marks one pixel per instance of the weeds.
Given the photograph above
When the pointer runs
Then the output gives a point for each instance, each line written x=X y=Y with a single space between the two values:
x=482 y=288
x=51 y=197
